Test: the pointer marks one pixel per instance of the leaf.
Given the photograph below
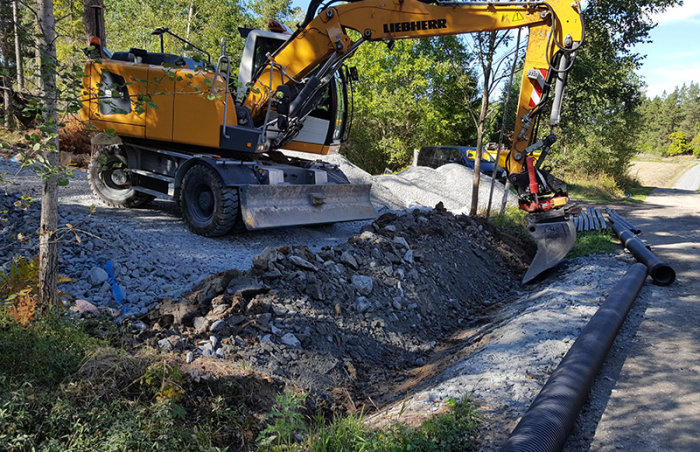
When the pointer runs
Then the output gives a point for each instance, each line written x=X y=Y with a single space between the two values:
x=62 y=181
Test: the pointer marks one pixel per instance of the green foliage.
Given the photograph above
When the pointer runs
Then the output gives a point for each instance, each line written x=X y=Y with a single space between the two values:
x=410 y=96
x=455 y=430
x=593 y=242
x=600 y=118
x=287 y=421
x=695 y=144
x=679 y=144
x=129 y=23
x=44 y=351
x=164 y=381
x=666 y=116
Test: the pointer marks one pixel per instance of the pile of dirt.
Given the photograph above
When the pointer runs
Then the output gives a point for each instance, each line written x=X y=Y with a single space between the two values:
x=349 y=316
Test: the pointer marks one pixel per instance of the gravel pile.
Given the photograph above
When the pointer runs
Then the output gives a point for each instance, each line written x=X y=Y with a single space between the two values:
x=349 y=315
x=153 y=253
x=421 y=186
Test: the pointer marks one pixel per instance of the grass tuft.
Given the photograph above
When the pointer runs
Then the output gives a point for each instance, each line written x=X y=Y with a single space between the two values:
x=593 y=242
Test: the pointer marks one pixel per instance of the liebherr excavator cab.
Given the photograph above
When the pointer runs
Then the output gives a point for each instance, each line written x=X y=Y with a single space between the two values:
x=182 y=134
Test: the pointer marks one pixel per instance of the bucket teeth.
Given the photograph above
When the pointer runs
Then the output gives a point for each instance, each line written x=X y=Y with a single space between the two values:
x=554 y=241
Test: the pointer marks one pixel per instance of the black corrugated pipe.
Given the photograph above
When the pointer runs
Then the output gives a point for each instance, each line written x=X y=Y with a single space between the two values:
x=547 y=423
x=661 y=272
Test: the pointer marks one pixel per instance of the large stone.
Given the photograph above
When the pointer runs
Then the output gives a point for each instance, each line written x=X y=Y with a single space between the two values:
x=245 y=287
x=97 y=276
x=349 y=260
x=363 y=284
x=302 y=263
x=201 y=324
x=291 y=340
x=264 y=259
x=362 y=304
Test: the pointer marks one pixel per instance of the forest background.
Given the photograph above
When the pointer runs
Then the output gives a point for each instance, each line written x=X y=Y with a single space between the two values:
x=423 y=92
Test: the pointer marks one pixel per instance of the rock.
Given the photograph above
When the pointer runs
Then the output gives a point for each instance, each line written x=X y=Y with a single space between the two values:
x=245 y=287
x=368 y=235
x=401 y=241
x=200 y=324
x=291 y=340
x=97 y=276
x=138 y=325
x=264 y=259
x=257 y=306
x=178 y=313
x=165 y=344
x=217 y=326
x=207 y=349
x=302 y=263
x=363 y=284
x=84 y=307
x=408 y=257
x=390 y=228
x=349 y=260
x=396 y=303
x=220 y=352
x=214 y=341
x=362 y=304
x=189 y=357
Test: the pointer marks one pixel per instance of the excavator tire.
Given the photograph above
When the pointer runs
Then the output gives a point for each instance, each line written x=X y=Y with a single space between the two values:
x=109 y=179
x=208 y=207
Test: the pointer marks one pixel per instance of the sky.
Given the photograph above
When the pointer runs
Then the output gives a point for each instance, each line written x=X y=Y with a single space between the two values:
x=672 y=56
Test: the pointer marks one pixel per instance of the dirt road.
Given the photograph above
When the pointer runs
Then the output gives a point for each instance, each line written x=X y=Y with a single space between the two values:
x=647 y=396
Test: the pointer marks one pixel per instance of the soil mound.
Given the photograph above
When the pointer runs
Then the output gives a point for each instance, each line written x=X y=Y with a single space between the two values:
x=349 y=316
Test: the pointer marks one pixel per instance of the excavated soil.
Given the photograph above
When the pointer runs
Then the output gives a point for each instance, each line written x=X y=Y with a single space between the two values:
x=351 y=321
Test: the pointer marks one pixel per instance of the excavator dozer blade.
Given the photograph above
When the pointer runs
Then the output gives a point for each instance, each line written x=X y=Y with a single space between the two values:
x=271 y=206
x=554 y=240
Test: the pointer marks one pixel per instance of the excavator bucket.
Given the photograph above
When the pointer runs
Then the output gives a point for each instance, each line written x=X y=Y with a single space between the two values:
x=271 y=206
x=554 y=240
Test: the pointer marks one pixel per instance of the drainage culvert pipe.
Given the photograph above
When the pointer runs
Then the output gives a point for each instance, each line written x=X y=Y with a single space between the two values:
x=661 y=272
x=547 y=423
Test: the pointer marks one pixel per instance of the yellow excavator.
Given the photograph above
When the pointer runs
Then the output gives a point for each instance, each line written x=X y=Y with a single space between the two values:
x=182 y=129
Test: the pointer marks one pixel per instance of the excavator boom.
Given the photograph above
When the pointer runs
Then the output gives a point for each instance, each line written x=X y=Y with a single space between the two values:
x=299 y=70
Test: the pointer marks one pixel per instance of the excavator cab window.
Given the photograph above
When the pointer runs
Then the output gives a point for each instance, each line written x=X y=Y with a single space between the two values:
x=114 y=94
x=263 y=47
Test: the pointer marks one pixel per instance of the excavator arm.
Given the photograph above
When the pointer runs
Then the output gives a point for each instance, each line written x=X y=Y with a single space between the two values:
x=289 y=86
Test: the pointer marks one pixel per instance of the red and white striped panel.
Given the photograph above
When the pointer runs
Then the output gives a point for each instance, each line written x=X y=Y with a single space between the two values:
x=537 y=77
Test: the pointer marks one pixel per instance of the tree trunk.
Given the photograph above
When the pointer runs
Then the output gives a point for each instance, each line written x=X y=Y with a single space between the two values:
x=6 y=51
x=487 y=63
x=19 y=63
x=48 y=248
x=93 y=12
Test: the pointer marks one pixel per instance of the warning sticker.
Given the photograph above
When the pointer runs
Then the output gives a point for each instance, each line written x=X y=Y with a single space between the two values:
x=517 y=17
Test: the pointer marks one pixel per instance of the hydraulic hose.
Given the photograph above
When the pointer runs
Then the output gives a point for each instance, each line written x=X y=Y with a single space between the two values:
x=547 y=423
x=661 y=272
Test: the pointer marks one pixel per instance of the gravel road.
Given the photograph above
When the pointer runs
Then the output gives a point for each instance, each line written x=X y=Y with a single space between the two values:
x=690 y=180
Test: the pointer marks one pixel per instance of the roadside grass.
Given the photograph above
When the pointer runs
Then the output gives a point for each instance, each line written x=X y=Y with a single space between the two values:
x=512 y=221
x=602 y=188
x=62 y=388
x=662 y=172
x=455 y=430
x=593 y=242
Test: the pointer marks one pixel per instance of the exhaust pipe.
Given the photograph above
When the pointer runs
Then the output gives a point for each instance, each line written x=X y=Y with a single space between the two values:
x=661 y=273
x=547 y=423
